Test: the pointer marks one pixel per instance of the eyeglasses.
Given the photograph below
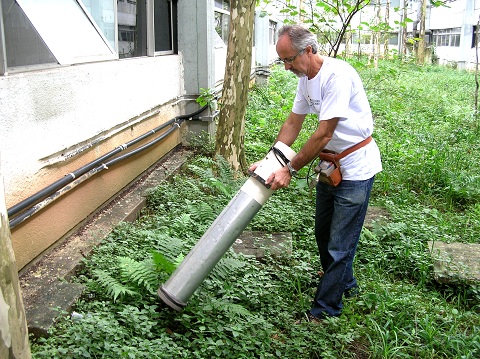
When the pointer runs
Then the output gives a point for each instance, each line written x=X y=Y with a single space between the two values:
x=289 y=60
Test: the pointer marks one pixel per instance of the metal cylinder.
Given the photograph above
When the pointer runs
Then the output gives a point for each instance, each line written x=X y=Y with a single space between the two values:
x=223 y=232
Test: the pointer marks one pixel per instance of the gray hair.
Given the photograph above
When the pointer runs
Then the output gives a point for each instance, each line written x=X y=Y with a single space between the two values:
x=300 y=37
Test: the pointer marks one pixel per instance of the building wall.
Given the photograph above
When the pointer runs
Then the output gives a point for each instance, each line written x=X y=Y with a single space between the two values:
x=58 y=119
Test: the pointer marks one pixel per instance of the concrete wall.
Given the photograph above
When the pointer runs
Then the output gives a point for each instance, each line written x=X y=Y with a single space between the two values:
x=48 y=116
x=55 y=121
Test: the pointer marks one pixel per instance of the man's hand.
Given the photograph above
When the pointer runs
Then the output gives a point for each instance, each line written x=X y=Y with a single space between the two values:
x=279 y=179
x=254 y=166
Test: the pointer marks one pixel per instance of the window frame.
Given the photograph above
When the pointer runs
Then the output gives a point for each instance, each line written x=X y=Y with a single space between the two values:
x=113 y=54
x=151 y=30
x=450 y=37
x=224 y=12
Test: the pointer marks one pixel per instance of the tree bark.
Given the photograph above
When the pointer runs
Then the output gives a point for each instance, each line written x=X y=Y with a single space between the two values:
x=386 y=37
x=13 y=324
x=421 y=34
x=376 y=35
x=231 y=126
x=476 y=68
x=404 y=32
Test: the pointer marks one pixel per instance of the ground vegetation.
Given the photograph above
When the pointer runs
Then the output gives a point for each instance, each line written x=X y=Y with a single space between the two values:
x=430 y=188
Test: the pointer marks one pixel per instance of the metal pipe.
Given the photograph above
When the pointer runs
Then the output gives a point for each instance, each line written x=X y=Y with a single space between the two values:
x=68 y=178
x=223 y=232
x=71 y=185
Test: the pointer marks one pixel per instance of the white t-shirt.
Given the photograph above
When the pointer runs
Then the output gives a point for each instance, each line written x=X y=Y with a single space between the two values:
x=337 y=91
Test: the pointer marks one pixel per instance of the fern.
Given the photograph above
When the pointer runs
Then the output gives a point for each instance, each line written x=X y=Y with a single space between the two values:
x=225 y=268
x=231 y=309
x=143 y=274
x=215 y=174
x=225 y=171
x=113 y=287
x=162 y=263
x=201 y=172
x=201 y=211
x=169 y=247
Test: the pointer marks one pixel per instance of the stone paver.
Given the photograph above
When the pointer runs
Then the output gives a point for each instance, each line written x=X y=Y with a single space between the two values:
x=455 y=262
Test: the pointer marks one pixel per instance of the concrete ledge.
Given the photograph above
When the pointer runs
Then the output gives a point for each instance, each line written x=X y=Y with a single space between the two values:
x=45 y=287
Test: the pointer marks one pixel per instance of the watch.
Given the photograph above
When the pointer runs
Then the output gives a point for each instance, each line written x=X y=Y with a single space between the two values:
x=293 y=171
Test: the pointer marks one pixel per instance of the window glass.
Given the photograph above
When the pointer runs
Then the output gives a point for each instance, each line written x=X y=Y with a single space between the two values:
x=66 y=30
x=24 y=47
x=163 y=25
x=456 y=40
x=132 y=28
x=447 y=37
x=103 y=12
x=272 y=32
x=222 y=4
x=222 y=19
x=222 y=23
x=393 y=38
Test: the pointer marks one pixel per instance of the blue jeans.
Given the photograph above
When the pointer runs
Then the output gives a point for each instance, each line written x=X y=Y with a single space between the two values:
x=340 y=213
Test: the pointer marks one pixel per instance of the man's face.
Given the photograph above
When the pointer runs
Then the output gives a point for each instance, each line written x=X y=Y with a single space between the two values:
x=291 y=58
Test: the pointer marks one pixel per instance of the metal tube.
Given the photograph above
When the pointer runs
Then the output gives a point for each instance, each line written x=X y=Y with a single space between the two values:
x=223 y=232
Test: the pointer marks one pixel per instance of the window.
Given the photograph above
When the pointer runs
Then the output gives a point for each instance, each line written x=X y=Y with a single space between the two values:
x=222 y=19
x=474 y=36
x=51 y=31
x=103 y=12
x=132 y=28
x=146 y=28
x=163 y=26
x=447 y=37
x=63 y=32
x=272 y=32
x=393 y=38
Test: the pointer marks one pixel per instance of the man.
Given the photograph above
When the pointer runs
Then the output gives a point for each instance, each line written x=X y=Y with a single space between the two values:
x=333 y=90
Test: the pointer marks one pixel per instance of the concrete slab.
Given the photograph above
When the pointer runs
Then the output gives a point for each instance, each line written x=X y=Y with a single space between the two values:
x=45 y=287
x=258 y=244
x=455 y=262
x=375 y=215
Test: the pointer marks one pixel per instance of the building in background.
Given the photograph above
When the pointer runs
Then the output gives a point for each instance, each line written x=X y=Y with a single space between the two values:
x=450 y=30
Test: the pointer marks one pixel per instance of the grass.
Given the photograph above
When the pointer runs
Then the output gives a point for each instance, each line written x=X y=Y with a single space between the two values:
x=428 y=137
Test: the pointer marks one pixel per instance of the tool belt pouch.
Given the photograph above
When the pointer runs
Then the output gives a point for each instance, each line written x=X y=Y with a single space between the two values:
x=329 y=169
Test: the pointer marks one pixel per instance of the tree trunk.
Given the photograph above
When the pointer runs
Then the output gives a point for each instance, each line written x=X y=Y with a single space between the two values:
x=386 y=33
x=421 y=34
x=348 y=44
x=376 y=36
x=404 y=32
x=13 y=324
x=476 y=68
x=231 y=126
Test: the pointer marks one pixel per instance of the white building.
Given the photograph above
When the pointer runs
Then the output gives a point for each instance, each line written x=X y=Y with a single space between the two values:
x=450 y=29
